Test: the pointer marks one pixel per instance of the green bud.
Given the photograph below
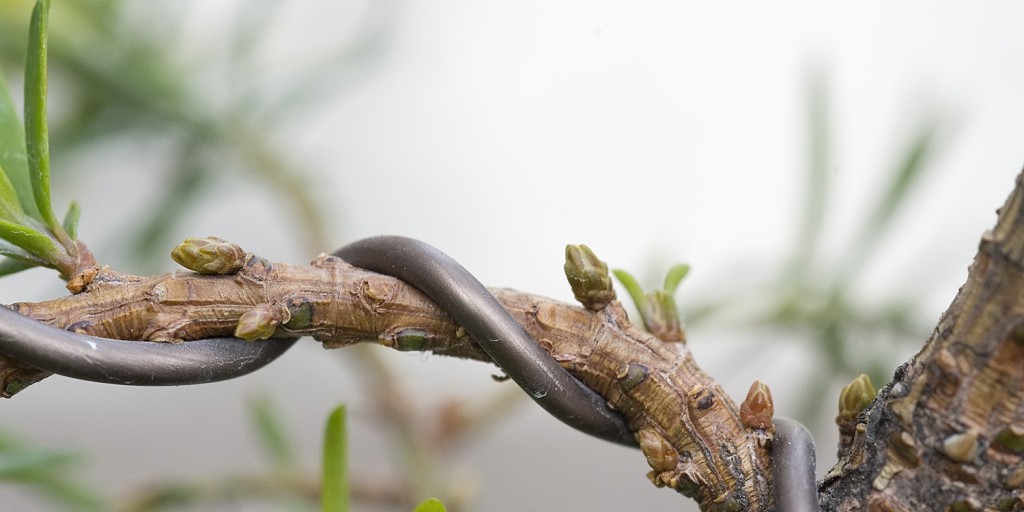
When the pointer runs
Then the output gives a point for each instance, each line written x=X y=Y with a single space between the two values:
x=260 y=322
x=1013 y=481
x=410 y=339
x=13 y=387
x=854 y=398
x=662 y=317
x=1011 y=438
x=300 y=312
x=588 y=277
x=209 y=255
x=658 y=310
x=632 y=375
x=970 y=504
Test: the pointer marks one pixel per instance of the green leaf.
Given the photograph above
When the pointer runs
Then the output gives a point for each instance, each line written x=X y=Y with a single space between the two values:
x=10 y=266
x=37 y=138
x=633 y=288
x=12 y=151
x=430 y=505
x=908 y=171
x=33 y=464
x=32 y=241
x=10 y=205
x=675 y=276
x=13 y=251
x=334 y=487
x=71 y=220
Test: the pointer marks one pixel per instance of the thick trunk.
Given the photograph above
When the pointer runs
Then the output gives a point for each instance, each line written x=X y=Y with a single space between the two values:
x=948 y=432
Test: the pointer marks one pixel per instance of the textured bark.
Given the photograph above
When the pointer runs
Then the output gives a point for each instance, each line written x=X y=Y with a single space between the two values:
x=689 y=430
x=948 y=432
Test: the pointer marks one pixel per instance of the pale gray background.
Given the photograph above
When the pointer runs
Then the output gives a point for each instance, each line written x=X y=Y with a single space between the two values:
x=655 y=132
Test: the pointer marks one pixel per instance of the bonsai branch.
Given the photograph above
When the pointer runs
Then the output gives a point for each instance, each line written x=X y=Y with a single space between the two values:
x=692 y=434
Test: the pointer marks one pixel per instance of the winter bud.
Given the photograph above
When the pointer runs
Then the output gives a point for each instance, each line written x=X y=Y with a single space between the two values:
x=588 y=277
x=209 y=255
x=757 y=409
x=260 y=322
x=854 y=398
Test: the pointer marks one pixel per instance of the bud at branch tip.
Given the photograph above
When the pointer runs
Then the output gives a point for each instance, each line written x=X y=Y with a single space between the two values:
x=588 y=277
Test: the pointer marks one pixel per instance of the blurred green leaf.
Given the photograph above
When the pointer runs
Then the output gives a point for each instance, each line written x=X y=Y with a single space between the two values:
x=910 y=168
x=430 y=505
x=633 y=288
x=334 y=486
x=907 y=172
x=10 y=266
x=10 y=205
x=71 y=220
x=32 y=464
x=30 y=240
x=37 y=142
x=271 y=432
x=675 y=276
x=813 y=215
x=13 y=251
x=12 y=151
x=189 y=179
x=253 y=20
x=46 y=471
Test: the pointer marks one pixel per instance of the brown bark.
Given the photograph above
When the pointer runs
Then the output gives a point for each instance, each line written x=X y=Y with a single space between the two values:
x=948 y=432
x=689 y=430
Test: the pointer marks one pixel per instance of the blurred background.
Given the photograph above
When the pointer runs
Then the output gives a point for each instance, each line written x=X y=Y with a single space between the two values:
x=826 y=170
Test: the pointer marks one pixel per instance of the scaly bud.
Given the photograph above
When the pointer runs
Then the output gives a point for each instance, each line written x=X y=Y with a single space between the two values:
x=660 y=454
x=260 y=322
x=1011 y=438
x=662 y=317
x=962 y=447
x=757 y=409
x=632 y=375
x=209 y=255
x=854 y=398
x=588 y=277
x=658 y=309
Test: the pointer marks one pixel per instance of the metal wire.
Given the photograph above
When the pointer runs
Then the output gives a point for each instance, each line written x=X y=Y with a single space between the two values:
x=469 y=303
x=129 y=362
x=793 y=467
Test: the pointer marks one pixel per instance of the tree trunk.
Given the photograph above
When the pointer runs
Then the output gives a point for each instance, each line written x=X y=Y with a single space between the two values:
x=948 y=432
